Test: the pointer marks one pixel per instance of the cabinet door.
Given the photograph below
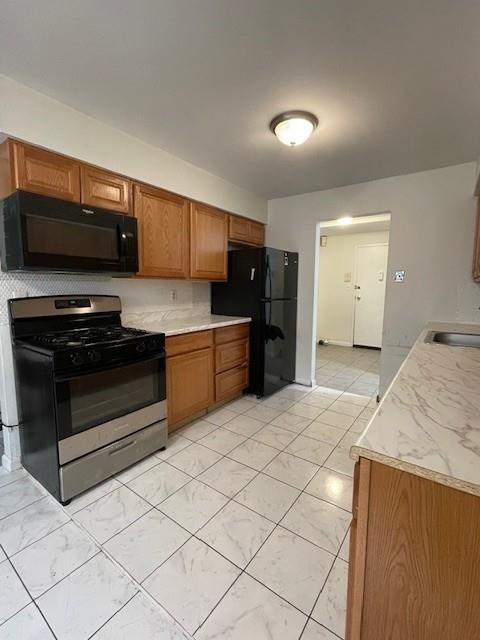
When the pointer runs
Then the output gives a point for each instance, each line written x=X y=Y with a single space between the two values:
x=46 y=172
x=476 y=254
x=238 y=229
x=106 y=190
x=189 y=384
x=257 y=233
x=163 y=233
x=208 y=243
x=422 y=572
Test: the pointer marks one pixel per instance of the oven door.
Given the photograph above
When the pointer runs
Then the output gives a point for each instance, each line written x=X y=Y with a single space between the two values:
x=97 y=408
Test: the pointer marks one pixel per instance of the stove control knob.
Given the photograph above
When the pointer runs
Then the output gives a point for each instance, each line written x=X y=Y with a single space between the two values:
x=77 y=358
x=94 y=356
x=152 y=343
x=140 y=348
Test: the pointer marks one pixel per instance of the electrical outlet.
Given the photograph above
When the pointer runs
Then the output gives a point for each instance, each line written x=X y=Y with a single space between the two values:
x=173 y=294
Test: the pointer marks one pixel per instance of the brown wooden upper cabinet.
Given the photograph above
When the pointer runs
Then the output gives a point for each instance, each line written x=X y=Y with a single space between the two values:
x=163 y=232
x=476 y=253
x=106 y=190
x=208 y=243
x=245 y=231
x=33 y=169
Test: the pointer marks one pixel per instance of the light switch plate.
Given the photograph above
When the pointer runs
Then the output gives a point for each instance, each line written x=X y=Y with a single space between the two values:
x=399 y=276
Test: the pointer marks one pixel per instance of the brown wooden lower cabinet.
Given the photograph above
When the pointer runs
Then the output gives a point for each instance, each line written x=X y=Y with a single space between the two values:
x=414 y=569
x=189 y=384
x=203 y=369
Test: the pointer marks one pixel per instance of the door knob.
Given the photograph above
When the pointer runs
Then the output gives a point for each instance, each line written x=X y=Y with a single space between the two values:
x=357 y=298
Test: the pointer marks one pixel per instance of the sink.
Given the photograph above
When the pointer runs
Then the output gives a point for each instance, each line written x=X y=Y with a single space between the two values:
x=453 y=339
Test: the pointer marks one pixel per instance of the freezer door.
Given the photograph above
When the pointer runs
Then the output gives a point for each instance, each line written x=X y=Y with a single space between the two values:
x=280 y=344
x=241 y=295
x=281 y=270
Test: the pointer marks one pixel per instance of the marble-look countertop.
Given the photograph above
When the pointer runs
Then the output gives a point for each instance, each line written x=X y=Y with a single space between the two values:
x=428 y=422
x=176 y=326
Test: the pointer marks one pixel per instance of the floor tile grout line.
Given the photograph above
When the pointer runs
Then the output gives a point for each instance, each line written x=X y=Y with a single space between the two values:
x=32 y=599
x=275 y=526
x=44 y=618
x=124 y=571
x=229 y=498
x=93 y=501
x=21 y=508
x=6 y=484
x=112 y=616
x=30 y=544
x=191 y=535
x=41 y=537
x=137 y=584
x=244 y=570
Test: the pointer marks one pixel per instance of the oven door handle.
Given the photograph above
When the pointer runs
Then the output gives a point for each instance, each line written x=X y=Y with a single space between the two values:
x=93 y=371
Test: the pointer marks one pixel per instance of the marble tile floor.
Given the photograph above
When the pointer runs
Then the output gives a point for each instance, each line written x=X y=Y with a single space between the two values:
x=354 y=369
x=239 y=529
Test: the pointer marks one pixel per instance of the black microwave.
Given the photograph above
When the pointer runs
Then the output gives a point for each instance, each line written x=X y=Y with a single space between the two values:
x=39 y=233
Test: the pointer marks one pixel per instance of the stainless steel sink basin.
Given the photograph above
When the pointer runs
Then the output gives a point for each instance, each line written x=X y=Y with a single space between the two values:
x=454 y=339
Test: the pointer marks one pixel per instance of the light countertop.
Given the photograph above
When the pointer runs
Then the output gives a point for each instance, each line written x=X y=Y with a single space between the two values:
x=177 y=326
x=428 y=422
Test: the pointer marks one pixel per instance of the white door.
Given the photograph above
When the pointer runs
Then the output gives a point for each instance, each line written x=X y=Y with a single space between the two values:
x=370 y=280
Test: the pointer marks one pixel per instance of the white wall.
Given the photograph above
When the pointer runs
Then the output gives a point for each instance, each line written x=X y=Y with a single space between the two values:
x=33 y=116
x=334 y=295
x=36 y=118
x=431 y=236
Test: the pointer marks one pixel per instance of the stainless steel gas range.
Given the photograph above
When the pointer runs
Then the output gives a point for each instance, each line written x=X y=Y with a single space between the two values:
x=92 y=392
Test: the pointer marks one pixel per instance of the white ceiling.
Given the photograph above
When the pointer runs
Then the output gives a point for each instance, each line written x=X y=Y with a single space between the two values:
x=395 y=84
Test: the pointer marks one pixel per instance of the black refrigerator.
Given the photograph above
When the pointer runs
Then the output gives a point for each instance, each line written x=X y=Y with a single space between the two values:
x=262 y=284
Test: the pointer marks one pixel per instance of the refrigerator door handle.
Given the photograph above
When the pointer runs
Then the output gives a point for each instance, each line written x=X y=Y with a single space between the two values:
x=268 y=277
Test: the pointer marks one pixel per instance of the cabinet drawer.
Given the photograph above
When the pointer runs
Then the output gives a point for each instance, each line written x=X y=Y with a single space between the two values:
x=230 y=383
x=188 y=342
x=231 y=355
x=106 y=190
x=232 y=333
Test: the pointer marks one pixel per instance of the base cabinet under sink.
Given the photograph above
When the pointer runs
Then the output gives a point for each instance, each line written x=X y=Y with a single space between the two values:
x=414 y=571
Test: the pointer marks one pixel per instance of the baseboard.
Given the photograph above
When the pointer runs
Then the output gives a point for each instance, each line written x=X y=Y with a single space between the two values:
x=305 y=382
x=339 y=343
x=10 y=464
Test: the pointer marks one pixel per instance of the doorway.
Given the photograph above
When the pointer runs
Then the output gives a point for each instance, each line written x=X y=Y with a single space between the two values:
x=351 y=283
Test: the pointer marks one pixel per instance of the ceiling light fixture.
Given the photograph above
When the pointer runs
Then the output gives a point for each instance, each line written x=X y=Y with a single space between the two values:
x=294 y=127
x=345 y=220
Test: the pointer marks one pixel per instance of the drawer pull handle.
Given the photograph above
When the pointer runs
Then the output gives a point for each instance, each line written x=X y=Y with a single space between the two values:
x=122 y=448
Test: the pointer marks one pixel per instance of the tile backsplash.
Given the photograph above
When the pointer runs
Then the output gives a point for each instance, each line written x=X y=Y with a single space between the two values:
x=137 y=295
